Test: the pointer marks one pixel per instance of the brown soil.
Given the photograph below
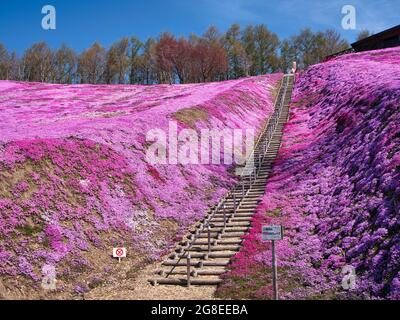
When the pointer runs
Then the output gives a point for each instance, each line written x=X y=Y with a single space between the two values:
x=122 y=287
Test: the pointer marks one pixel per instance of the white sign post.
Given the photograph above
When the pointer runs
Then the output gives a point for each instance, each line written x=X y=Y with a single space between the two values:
x=119 y=253
x=273 y=233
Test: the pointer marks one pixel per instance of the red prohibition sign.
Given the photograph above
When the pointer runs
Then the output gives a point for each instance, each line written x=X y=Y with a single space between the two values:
x=119 y=252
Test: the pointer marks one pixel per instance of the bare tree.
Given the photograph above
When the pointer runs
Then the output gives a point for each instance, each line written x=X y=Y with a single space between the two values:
x=211 y=37
x=134 y=60
x=148 y=62
x=287 y=55
x=117 y=62
x=37 y=63
x=91 y=64
x=15 y=67
x=183 y=60
x=334 y=42
x=248 y=41
x=210 y=57
x=239 y=63
x=363 y=34
x=261 y=47
x=309 y=48
x=306 y=45
x=266 y=45
x=209 y=63
x=5 y=63
x=65 y=62
x=165 y=50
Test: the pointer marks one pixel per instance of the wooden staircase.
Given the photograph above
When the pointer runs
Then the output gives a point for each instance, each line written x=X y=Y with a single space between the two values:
x=205 y=253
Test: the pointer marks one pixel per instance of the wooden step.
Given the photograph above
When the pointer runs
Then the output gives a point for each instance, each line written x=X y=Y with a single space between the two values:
x=204 y=256
x=237 y=215
x=244 y=201
x=220 y=242
x=216 y=220
x=214 y=235
x=210 y=262
x=230 y=225
x=195 y=273
x=242 y=205
x=183 y=282
x=204 y=248
x=198 y=264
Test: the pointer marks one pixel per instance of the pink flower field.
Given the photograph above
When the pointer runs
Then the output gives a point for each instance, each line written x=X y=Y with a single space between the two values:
x=335 y=187
x=74 y=181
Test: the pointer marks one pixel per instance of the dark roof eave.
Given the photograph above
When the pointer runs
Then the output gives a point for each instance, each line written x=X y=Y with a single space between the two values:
x=360 y=42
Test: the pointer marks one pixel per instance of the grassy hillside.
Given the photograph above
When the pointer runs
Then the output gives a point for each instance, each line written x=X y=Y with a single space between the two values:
x=74 y=180
x=335 y=187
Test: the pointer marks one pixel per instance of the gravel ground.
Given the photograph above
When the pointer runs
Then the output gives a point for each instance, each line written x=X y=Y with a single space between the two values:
x=123 y=288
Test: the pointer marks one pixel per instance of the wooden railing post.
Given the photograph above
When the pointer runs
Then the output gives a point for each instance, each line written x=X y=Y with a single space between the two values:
x=224 y=217
x=189 y=271
x=234 y=202
x=263 y=143
x=209 y=239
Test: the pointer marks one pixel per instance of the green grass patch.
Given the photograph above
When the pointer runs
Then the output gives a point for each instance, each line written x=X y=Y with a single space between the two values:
x=275 y=213
x=190 y=116
x=29 y=230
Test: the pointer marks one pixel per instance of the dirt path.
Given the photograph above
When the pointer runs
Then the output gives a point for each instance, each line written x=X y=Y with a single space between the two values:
x=121 y=287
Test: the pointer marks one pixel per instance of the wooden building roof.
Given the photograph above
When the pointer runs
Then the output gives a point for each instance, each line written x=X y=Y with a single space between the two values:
x=385 y=39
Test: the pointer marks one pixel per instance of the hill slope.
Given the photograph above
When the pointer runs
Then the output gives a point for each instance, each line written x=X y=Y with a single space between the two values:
x=75 y=181
x=335 y=187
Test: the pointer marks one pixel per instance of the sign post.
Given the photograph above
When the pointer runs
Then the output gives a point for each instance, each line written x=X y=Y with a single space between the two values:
x=273 y=233
x=274 y=272
x=119 y=253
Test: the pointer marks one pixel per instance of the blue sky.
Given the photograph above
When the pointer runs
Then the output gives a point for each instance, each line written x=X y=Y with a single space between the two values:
x=80 y=23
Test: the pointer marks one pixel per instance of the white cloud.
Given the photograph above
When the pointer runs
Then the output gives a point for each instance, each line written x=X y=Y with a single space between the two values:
x=374 y=15
x=287 y=17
